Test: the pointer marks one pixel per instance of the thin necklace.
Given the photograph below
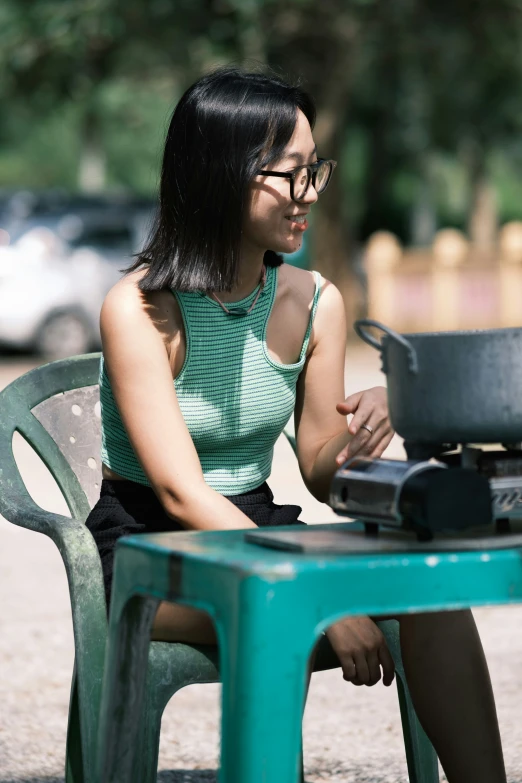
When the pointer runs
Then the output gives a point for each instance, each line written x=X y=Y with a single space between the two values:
x=241 y=310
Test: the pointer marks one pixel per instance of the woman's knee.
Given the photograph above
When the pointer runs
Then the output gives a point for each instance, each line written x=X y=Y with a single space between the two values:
x=453 y=618
x=176 y=623
x=450 y=615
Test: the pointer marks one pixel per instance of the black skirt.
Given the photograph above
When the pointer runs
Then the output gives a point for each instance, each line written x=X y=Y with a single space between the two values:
x=128 y=508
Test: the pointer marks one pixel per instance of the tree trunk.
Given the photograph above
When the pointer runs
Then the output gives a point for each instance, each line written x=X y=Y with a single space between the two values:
x=483 y=213
x=332 y=248
x=315 y=42
x=423 y=215
x=92 y=168
x=483 y=220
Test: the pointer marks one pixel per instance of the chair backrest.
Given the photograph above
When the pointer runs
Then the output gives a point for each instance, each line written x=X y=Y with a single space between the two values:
x=72 y=419
x=56 y=408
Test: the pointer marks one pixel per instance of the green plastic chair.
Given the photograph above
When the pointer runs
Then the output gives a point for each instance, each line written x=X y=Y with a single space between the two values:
x=56 y=409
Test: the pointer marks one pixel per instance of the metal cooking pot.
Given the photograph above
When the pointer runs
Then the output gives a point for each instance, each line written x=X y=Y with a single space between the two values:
x=452 y=387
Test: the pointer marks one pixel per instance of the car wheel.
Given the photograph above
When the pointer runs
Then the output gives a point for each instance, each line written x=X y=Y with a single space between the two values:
x=62 y=335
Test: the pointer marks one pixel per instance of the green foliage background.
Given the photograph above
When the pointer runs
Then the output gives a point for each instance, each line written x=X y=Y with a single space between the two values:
x=418 y=100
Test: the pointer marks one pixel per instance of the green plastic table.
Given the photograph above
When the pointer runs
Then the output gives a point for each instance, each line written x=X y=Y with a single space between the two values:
x=269 y=608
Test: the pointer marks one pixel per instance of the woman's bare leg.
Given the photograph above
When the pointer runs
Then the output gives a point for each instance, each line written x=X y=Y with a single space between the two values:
x=450 y=687
x=176 y=623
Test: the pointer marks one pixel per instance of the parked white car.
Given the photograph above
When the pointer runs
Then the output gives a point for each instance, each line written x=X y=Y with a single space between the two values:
x=55 y=273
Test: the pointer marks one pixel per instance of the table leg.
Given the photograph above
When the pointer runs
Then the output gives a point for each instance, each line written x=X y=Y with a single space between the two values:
x=264 y=672
x=124 y=689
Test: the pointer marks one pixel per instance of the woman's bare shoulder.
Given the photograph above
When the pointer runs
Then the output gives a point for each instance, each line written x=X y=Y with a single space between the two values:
x=301 y=283
x=126 y=293
x=125 y=299
x=298 y=283
x=126 y=306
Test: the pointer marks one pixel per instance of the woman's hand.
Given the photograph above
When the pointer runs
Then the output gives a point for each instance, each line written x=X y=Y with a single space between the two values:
x=369 y=407
x=362 y=651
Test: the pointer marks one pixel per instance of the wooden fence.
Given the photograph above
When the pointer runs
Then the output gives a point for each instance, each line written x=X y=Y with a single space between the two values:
x=450 y=285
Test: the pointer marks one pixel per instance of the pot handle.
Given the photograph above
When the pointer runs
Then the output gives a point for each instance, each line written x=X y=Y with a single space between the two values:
x=413 y=364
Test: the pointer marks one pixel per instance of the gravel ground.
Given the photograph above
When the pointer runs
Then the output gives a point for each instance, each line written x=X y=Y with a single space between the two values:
x=351 y=734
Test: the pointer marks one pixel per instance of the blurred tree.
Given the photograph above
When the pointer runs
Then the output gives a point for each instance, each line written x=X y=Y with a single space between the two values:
x=436 y=78
x=471 y=61
x=52 y=52
x=407 y=92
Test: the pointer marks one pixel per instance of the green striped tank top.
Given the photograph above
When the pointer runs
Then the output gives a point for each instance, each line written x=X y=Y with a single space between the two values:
x=235 y=399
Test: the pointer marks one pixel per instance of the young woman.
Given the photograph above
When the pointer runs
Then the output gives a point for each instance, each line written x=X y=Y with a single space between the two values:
x=211 y=342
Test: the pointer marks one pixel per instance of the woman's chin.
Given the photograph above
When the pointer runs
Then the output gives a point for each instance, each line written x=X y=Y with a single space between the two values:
x=290 y=246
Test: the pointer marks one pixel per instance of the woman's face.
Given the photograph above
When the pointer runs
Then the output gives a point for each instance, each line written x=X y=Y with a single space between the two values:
x=273 y=220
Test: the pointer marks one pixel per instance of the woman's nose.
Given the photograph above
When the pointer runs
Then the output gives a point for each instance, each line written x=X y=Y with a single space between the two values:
x=310 y=196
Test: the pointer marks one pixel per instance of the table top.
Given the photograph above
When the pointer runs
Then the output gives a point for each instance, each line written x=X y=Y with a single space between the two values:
x=231 y=548
x=200 y=567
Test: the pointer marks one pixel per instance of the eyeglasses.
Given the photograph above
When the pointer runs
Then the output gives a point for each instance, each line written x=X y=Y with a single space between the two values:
x=318 y=174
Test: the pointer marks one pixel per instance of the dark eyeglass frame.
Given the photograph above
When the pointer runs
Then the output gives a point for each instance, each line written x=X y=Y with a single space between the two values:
x=312 y=169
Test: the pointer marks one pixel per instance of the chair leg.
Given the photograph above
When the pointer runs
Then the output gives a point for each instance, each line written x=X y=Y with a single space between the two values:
x=146 y=758
x=167 y=674
x=146 y=769
x=421 y=758
x=73 y=750
x=420 y=755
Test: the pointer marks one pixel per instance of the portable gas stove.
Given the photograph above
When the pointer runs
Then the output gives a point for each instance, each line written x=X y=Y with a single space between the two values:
x=502 y=468
x=443 y=498
x=440 y=488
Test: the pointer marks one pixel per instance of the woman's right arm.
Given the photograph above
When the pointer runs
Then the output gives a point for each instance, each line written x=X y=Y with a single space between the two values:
x=138 y=367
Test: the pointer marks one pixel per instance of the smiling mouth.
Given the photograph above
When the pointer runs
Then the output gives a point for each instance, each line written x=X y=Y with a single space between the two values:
x=296 y=218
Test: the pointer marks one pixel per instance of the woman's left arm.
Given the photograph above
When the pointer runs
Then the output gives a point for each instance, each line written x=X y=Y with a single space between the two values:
x=324 y=439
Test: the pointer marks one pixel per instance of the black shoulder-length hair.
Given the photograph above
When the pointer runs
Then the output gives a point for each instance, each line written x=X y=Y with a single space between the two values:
x=227 y=125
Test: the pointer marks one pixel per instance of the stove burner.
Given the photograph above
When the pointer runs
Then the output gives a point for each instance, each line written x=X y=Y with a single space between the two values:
x=422 y=451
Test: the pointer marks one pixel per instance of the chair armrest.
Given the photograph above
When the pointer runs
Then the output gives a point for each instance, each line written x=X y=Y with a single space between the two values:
x=76 y=546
